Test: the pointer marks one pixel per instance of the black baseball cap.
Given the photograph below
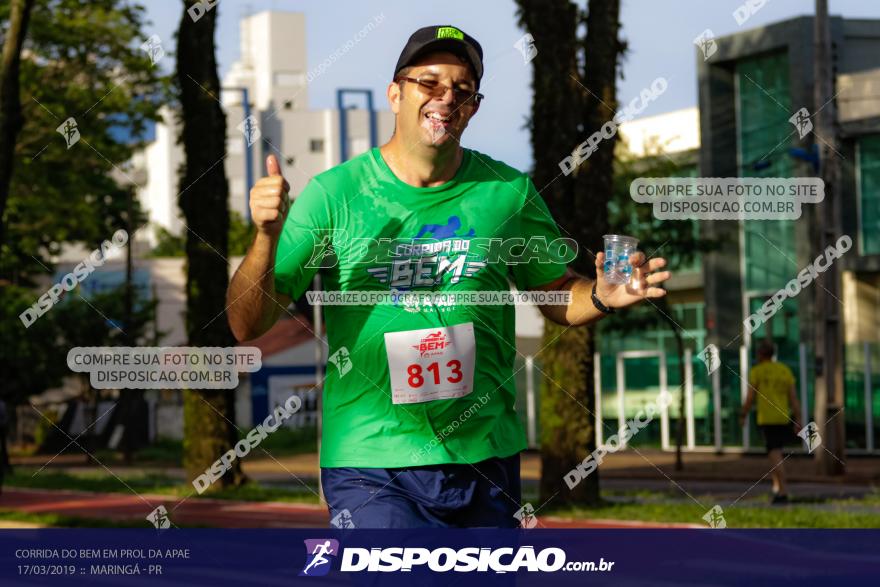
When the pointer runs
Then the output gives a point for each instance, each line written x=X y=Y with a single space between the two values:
x=442 y=38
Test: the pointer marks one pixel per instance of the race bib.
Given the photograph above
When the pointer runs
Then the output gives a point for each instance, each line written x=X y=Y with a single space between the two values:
x=431 y=364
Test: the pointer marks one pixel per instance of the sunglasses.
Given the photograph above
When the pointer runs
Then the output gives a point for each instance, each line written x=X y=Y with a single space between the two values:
x=435 y=89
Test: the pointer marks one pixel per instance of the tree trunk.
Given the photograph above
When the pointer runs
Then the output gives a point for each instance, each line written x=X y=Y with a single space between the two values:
x=679 y=431
x=568 y=432
x=132 y=405
x=10 y=101
x=565 y=111
x=209 y=415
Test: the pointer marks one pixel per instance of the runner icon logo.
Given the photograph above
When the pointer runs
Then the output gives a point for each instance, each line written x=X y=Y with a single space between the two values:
x=320 y=554
x=526 y=516
x=711 y=358
x=159 y=518
x=442 y=231
x=801 y=121
x=706 y=43
x=70 y=131
x=343 y=520
x=811 y=437
x=526 y=47
x=432 y=345
x=715 y=518
x=342 y=360
x=436 y=250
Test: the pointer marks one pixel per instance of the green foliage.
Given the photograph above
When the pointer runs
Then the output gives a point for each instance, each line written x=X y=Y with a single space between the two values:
x=283 y=442
x=44 y=426
x=99 y=321
x=81 y=60
x=163 y=450
x=679 y=241
x=168 y=244
x=38 y=345
x=241 y=234
x=290 y=441
x=74 y=321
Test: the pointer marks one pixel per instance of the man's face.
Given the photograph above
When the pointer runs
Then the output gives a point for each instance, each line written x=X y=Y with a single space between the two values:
x=436 y=120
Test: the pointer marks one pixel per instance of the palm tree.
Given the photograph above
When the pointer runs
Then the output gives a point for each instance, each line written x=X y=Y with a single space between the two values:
x=574 y=90
x=209 y=415
x=10 y=103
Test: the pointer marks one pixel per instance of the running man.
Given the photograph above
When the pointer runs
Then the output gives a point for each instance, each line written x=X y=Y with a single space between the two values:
x=320 y=550
x=773 y=383
x=421 y=431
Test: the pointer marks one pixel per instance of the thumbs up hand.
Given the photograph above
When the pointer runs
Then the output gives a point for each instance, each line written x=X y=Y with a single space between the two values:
x=269 y=200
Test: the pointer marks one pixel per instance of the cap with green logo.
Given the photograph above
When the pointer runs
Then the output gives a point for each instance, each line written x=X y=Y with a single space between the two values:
x=442 y=38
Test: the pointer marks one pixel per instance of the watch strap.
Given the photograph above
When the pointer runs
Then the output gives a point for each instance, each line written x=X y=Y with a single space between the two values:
x=598 y=303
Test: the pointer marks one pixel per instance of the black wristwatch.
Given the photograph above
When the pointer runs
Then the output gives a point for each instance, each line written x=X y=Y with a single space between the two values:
x=599 y=305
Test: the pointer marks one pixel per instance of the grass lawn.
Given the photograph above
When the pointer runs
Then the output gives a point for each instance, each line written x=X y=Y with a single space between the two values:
x=790 y=516
x=283 y=442
x=158 y=484
x=60 y=521
x=641 y=505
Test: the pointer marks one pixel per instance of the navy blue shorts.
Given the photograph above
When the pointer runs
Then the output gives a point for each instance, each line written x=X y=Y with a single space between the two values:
x=485 y=494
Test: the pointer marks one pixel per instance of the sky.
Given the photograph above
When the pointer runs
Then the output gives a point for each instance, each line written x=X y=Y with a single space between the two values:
x=660 y=35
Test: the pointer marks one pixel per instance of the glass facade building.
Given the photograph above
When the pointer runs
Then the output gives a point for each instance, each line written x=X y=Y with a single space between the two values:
x=748 y=92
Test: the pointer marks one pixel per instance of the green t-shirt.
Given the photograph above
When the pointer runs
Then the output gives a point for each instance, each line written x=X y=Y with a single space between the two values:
x=369 y=231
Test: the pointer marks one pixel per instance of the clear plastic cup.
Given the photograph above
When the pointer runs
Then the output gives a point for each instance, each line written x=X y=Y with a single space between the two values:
x=618 y=251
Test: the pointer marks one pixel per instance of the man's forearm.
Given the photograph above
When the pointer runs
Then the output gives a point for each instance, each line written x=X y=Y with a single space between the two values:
x=580 y=309
x=252 y=307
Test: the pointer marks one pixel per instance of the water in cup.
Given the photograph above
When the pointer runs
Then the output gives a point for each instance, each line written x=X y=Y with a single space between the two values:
x=618 y=251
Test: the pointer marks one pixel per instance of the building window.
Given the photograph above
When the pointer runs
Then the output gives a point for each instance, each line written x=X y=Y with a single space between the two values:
x=869 y=194
x=316 y=145
x=764 y=135
x=763 y=94
x=695 y=264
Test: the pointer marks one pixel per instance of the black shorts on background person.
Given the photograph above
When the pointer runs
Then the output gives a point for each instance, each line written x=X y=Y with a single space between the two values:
x=776 y=436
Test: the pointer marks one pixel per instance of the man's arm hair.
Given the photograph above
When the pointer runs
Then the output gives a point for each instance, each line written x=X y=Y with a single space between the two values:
x=580 y=310
x=253 y=305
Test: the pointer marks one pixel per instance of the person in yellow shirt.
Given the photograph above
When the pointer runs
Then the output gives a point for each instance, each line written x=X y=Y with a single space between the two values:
x=778 y=408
